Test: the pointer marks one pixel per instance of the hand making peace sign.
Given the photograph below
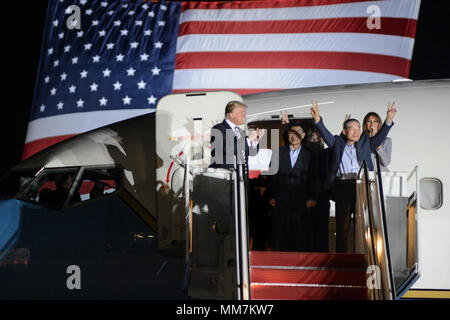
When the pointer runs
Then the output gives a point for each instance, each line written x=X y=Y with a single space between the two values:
x=315 y=111
x=391 y=111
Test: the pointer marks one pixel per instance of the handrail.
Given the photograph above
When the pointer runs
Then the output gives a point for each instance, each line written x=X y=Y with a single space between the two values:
x=412 y=172
x=375 y=231
x=415 y=265
x=385 y=229
x=381 y=229
x=418 y=209
x=241 y=221
x=237 y=235
x=368 y=246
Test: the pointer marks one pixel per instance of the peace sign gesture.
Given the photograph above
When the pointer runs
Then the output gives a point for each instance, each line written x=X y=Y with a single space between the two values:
x=391 y=111
x=315 y=111
x=284 y=117
x=347 y=116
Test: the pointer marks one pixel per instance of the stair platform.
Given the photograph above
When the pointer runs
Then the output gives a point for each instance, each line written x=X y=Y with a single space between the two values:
x=305 y=275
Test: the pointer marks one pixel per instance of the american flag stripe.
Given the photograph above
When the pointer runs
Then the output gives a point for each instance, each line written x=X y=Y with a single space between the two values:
x=266 y=4
x=47 y=131
x=293 y=10
x=341 y=42
x=295 y=60
x=270 y=78
x=240 y=91
x=35 y=146
x=246 y=46
x=73 y=123
x=391 y=26
x=44 y=132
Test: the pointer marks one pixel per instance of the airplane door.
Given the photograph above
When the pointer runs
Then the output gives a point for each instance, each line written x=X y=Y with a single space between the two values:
x=201 y=220
x=183 y=126
x=401 y=197
x=410 y=272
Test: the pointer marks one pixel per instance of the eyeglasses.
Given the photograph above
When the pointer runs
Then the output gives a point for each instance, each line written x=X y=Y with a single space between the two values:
x=299 y=133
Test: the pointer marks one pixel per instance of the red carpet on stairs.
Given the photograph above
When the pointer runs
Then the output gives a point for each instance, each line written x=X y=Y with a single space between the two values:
x=307 y=276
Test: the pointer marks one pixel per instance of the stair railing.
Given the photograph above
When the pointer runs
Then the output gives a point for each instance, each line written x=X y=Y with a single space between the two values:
x=241 y=225
x=386 y=262
x=371 y=234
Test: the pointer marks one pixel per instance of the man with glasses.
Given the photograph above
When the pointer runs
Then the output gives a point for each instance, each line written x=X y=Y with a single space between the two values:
x=348 y=150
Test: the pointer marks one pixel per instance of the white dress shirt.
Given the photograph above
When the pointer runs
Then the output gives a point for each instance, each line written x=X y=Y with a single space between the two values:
x=294 y=155
x=349 y=162
x=233 y=126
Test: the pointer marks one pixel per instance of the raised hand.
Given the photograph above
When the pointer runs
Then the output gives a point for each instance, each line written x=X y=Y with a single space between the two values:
x=260 y=133
x=391 y=111
x=256 y=135
x=253 y=135
x=347 y=116
x=284 y=117
x=315 y=111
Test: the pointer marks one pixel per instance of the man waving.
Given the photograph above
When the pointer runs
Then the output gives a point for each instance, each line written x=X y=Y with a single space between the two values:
x=349 y=149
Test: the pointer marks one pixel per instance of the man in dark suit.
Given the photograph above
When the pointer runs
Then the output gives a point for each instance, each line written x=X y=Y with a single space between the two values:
x=348 y=150
x=228 y=140
x=294 y=190
x=320 y=214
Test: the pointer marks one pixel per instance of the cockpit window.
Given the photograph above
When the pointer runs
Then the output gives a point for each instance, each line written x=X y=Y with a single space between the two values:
x=56 y=187
x=96 y=183
x=51 y=187
x=16 y=181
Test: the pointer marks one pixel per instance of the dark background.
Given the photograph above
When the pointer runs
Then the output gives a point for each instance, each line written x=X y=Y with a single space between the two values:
x=22 y=29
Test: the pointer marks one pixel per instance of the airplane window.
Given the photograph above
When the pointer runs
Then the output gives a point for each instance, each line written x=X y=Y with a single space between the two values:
x=51 y=188
x=15 y=181
x=430 y=193
x=96 y=183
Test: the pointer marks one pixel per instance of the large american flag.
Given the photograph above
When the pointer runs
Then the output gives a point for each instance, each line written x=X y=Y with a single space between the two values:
x=129 y=54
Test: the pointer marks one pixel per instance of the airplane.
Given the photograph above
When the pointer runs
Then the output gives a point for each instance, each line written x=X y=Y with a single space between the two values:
x=131 y=210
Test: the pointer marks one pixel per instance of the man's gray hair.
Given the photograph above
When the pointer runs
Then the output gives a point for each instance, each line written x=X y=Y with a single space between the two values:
x=348 y=121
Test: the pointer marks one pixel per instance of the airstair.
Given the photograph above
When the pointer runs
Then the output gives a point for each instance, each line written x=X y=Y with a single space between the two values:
x=307 y=276
x=383 y=265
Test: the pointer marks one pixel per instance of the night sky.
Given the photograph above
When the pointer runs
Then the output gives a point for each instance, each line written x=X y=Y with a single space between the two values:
x=22 y=28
